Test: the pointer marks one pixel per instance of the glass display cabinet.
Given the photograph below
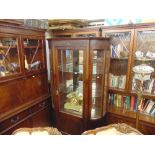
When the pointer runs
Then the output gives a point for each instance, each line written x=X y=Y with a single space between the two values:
x=78 y=66
x=33 y=54
x=144 y=56
x=10 y=64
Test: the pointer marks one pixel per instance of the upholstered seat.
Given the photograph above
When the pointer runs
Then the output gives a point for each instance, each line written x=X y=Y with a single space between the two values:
x=37 y=131
x=114 y=129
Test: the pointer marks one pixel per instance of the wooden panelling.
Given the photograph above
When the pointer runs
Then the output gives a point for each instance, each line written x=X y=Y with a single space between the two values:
x=70 y=125
x=11 y=95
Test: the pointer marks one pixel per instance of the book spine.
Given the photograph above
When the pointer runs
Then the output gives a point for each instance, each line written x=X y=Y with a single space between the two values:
x=132 y=103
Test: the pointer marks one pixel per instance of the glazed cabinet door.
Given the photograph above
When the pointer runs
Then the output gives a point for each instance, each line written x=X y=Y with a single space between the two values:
x=119 y=100
x=70 y=68
x=10 y=56
x=99 y=49
x=120 y=59
x=144 y=70
x=34 y=54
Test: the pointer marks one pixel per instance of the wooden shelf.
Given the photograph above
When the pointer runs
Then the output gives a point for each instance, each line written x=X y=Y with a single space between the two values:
x=7 y=47
x=119 y=58
x=121 y=112
x=32 y=47
x=147 y=118
x=117 y=90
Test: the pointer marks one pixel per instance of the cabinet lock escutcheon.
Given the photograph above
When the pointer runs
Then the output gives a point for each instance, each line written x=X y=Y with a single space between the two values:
x=57 y=92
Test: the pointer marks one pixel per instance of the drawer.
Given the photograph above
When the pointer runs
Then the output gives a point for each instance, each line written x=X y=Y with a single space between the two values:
x=39 y=106
x=14 y=120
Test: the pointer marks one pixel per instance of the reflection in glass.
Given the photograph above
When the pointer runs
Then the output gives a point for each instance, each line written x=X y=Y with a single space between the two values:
x=70 y=69
x=33 y=54
x=97 y=79
x=9 y=56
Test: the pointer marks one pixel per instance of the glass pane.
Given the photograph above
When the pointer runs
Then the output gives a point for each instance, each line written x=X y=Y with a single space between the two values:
x=70 y=69
x=120 y=47
x=97 y=79
x=145 y=55
x=33 y=54
x=9 y=56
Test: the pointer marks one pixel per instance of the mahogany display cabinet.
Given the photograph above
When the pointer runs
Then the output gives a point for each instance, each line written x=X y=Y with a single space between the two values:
x=79 y=82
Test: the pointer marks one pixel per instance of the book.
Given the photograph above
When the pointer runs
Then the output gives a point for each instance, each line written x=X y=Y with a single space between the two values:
x=136 y=104
x=127 y=102
x=132 y=103
x=150 y=105
x=153 y=107
x=121 y=81
x=146 y=104
x=153 y=112
x=123 y=101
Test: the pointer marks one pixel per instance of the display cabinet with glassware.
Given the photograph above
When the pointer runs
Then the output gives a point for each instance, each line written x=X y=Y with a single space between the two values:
x=79 y=69
x=144 y=59
x=131 y=46
x=23 y=74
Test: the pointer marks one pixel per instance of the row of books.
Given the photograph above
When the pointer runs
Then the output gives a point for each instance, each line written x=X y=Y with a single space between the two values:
x=116 y=81
x=131 y=103
x=148 y=107
x=123 y=102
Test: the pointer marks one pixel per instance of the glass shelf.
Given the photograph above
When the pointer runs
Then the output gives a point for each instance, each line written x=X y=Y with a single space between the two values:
x=68 y=68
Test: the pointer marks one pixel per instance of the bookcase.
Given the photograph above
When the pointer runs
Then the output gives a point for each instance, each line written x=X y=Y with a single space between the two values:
x=131 y=45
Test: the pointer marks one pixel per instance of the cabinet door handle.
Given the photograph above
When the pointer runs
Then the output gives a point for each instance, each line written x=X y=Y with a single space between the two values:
x=15 y=120
x=57 y=92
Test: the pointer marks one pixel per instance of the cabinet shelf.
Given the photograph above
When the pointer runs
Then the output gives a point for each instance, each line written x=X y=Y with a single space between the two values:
x=112 y=58
x=68 y=68
x=29 y=47
x=147 y=118
x=7 y=47
x=122 y=112
x=144 y=59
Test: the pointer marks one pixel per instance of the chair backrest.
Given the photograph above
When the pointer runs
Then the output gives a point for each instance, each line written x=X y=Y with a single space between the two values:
x=113 y=129
x=37 y=131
